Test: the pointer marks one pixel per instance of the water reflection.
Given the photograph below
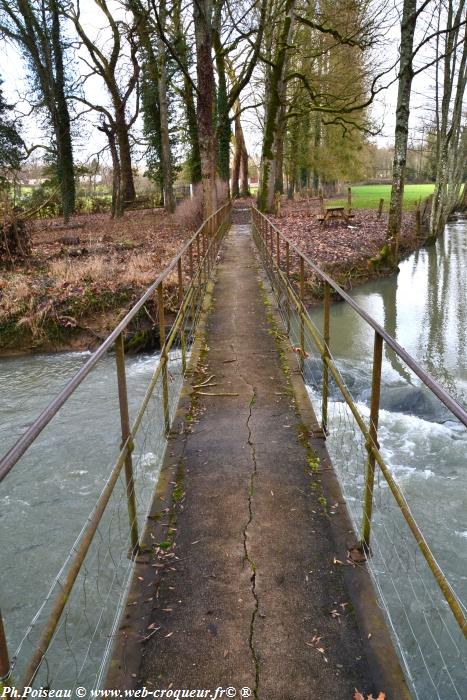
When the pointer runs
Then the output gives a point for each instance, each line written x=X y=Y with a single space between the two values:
x=423 y=308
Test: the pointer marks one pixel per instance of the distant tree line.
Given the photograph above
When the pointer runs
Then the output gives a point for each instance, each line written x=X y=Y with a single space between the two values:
x=179 y=82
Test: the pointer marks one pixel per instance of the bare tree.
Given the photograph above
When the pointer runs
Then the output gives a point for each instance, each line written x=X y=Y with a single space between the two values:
x=106 y=65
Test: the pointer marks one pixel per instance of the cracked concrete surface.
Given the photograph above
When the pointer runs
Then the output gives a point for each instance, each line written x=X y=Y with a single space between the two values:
x=253 y=584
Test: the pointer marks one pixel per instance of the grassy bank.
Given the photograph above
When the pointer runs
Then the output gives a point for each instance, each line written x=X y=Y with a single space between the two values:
x=368 y=196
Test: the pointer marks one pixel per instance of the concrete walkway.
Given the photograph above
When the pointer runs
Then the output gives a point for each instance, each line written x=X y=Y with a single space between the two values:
x=248 y=599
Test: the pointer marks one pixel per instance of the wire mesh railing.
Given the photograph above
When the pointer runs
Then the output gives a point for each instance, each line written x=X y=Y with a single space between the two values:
x=68 y=639
x=425 y=611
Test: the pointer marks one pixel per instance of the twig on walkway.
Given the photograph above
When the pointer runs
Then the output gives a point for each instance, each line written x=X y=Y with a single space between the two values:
x=205 y=383
x=220 y=393
x=145 y=639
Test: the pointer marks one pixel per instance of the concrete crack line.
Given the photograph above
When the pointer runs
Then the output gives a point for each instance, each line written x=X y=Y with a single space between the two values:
x=247 y=558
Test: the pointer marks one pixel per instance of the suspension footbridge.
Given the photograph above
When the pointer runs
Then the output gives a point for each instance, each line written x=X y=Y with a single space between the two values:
x=240 y=555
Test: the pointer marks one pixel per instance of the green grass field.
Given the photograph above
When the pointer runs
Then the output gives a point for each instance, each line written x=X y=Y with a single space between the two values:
x=368 y=196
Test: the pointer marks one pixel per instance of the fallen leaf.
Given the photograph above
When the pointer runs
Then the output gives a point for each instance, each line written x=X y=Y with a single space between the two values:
x=356 y=555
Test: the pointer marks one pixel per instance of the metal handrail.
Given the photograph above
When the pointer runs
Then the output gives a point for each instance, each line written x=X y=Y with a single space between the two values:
x=459 y=411
x=264 y=228
x=9 y=460
x=213 y=227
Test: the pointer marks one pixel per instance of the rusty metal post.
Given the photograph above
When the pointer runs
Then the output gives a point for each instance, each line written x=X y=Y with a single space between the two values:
x=190 y=254
x=203 y=240
x=326 y=354
x=302 y=323
x=164 y=359
x=287 y=259
x=180 y=302
x=198 y=252
x=349 y=199
x=205 y=257
x=5 y=668
x=125 y=426
x=372 y=440
x=278 y=251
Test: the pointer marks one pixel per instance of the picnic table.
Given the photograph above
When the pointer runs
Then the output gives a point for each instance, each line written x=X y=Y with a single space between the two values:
x=334 y=213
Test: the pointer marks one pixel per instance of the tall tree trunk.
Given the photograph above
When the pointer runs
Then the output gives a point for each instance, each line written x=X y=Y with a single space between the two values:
x=409 y=19
x=62 y=127
x=187 y=94
x=317 y=144
x=206 y=90
x=244 y=186
x=166 y=155
x=240 y=162
x=279 y=142
x=223 y=129
x=117 y=198
x=237 y=156
x=192 y=124
x=450 y=144
x=127 y=181
x=276 y=90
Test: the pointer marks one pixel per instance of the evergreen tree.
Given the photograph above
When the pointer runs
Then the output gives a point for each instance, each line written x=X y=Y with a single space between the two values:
x=10 y=140
x=37 y=31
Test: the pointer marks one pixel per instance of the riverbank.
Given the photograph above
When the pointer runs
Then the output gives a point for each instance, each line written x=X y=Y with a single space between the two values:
x=83 y=277
x=345 y=251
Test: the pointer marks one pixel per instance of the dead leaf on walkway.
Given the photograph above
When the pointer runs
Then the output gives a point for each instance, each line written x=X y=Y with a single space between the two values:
x=359 y=696
x=299 y=351
x=357 y=556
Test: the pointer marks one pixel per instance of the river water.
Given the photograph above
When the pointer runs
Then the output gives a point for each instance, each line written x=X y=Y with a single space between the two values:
x=47 y=497
x=424 y=309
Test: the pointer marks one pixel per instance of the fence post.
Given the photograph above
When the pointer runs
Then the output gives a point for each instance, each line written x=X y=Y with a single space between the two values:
x=326 y=354
x=190 y=254
x=198 y=251
x=349 y=199
x=373 y=440
x=180 y=302
x=380 y=208
x=5 y=668
x=278 y=251
x=126 y=432
x=203 y=241
x=302 y=324
x=287 y=259
x=163 y=360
